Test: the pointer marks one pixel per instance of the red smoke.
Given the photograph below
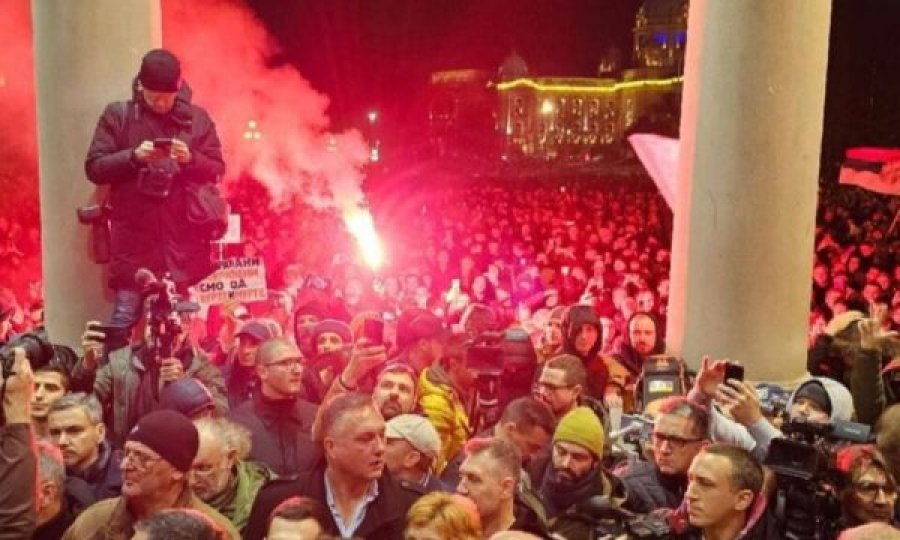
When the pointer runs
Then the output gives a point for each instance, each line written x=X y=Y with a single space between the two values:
x=18 y=151
x=224 y=51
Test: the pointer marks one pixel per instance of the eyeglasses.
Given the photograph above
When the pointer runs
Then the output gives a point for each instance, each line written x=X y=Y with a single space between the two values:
x=550 y=387
x=287 y=363
x=869 y=490
x=673 y=440
x=139 y=460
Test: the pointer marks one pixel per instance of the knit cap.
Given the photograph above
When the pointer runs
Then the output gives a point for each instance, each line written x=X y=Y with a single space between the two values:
x=582 y=427
x=171 y=435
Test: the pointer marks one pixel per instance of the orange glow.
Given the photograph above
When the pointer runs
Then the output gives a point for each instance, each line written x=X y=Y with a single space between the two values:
x=360 y=224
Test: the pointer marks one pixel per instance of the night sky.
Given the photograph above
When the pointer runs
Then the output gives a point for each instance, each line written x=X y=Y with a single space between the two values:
x=368 y=53
x=378 y=54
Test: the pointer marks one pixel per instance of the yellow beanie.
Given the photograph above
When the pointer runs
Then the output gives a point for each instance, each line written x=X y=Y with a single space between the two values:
x=582 y=427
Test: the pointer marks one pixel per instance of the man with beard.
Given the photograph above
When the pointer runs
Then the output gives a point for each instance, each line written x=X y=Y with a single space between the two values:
x=395 y=391
x=362 y=498
x=279 y=421
x=220 y=474
x=50 y=383
x=644 y=339
x=330 y=340
x=157 y=457
x=576 y=474
x=679 y=433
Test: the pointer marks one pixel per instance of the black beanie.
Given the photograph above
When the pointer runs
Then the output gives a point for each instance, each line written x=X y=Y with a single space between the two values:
x=171 y=435
x=815 y=392
x=160 y=71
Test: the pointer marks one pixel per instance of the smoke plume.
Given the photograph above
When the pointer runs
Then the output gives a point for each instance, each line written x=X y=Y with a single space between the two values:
x=226 y=54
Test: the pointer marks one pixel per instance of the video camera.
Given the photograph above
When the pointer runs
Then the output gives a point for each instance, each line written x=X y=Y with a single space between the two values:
x=806 y=500
x=164 y=310
x=611 y=521
x=493 y=356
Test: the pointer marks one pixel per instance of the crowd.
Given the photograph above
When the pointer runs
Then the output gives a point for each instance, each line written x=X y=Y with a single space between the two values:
x=505 y=376
x=369 y=409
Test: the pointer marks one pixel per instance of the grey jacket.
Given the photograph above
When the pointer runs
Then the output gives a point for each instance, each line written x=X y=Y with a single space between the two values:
x=128 y=387
x=757 y=436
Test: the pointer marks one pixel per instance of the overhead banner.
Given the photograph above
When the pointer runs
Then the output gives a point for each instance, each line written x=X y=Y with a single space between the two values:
x=875 y=169
x=242 y=279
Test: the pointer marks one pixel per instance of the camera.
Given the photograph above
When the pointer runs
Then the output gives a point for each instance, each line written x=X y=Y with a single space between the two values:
x=38 y=350
x=492 y=356
x=164 y=310
x=609 y=520
x=97 y=216
x=806 y=499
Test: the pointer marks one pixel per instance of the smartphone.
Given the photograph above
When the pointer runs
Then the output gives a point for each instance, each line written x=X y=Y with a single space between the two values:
x=373 y=331
x=734 y=371
x=107 y=330
x=162 y=143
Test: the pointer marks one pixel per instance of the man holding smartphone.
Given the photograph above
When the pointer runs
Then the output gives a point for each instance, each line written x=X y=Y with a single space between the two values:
x=150 y=150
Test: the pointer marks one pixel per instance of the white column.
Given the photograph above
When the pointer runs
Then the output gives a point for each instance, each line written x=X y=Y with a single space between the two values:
x=751 y=129
x=86 y=54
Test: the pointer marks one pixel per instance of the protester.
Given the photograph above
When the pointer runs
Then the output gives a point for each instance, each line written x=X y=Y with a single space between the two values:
x=489 y=476
x=156 y=461
x=441 y=515
x=50 y=383
x=239 y=368
x=412 y=448
x=130 y=380
x=395 y=390
x=18 y=460
x=280 y=422
x=297 y=518
x=725 y=498
x=178 y=524
x=54 y=513
x=870 y=493
x=680 y=431
x=576 y=474
x=76 y=426
x=221 y=476
x=362 y=498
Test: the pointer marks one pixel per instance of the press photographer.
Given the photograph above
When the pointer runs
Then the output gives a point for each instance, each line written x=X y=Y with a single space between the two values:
x=18 y=463
x=160 y=155
x=129 y=381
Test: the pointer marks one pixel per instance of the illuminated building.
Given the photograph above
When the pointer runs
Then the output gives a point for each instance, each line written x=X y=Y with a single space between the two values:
x=574 y=118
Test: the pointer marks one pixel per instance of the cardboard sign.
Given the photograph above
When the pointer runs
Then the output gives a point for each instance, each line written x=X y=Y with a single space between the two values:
x=242 y=279
x=233 y=233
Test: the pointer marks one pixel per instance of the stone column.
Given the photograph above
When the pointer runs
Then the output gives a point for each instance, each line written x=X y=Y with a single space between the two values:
x=86 y=54
x=751 y=130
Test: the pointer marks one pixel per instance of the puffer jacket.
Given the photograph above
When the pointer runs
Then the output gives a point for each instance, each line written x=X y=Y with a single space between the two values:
x=441 y=403
x=128 y=386
x=145 y=231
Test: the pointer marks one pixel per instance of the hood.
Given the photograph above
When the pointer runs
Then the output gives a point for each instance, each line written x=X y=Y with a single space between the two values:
x=575 y=317
x=841 y=400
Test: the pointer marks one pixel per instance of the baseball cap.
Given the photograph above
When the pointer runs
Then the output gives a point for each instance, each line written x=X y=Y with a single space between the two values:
x=417 y=431
x=416 y=324
x=260 y=329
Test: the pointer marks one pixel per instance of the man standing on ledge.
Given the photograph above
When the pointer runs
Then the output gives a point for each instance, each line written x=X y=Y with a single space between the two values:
x=150 y=150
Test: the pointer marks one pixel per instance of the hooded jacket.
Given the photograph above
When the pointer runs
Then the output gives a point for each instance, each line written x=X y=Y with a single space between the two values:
x=600 y=371
x=149 y=232
x=757 y=436
x=442 y=405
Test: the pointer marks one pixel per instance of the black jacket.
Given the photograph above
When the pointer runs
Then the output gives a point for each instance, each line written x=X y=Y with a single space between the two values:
x=150 y=232
x=280 y=433
x=649 y=490
x=102 y=480
x=385 y=516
